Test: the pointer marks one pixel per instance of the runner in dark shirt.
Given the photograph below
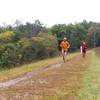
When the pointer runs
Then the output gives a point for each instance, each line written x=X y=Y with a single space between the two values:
x=84 y=49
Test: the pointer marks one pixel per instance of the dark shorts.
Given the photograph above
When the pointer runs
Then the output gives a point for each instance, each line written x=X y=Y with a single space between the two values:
x=84 y=50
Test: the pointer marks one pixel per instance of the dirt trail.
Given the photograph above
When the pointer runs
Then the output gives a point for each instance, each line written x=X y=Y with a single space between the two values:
x=9 y=83
x=56 y=81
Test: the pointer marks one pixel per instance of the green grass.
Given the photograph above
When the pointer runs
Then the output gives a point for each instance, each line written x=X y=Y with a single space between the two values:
x=18 y=71
x=91 y=81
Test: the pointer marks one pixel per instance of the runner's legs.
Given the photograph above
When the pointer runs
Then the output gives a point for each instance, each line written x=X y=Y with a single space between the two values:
x=84 y=53
x=64 y=54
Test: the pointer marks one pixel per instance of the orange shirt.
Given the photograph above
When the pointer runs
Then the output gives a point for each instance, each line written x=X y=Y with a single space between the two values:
x=64 y=45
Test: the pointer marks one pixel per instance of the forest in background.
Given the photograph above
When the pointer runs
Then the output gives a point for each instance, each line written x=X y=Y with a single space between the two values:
x=23 y=43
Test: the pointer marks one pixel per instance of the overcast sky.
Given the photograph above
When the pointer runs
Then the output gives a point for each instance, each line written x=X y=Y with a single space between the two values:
x=49 y=12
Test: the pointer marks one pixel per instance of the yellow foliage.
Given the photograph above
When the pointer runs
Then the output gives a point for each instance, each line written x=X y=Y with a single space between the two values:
x=6 y=36
x=25 y=42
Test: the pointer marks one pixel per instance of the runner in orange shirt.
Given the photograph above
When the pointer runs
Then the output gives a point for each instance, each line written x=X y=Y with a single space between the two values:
x=65 y=46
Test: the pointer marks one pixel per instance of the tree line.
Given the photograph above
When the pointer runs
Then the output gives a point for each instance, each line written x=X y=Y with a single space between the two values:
x=78 y=32
x=23 y=43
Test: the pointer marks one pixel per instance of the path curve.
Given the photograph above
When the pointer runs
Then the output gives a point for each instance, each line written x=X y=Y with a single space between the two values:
x=12 y=82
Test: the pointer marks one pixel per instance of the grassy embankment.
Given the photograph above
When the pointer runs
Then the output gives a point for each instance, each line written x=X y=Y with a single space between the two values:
x=91 y=79
x=7 y=74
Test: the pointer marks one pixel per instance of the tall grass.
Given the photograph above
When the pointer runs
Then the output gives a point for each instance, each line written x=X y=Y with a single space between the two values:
x=91 y=81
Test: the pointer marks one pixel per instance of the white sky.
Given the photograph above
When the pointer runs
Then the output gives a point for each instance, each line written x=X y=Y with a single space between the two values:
x=49 y=12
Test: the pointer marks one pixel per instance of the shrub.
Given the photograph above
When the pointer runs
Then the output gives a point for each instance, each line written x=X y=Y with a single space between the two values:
x=26 y=50
x=6 y=37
